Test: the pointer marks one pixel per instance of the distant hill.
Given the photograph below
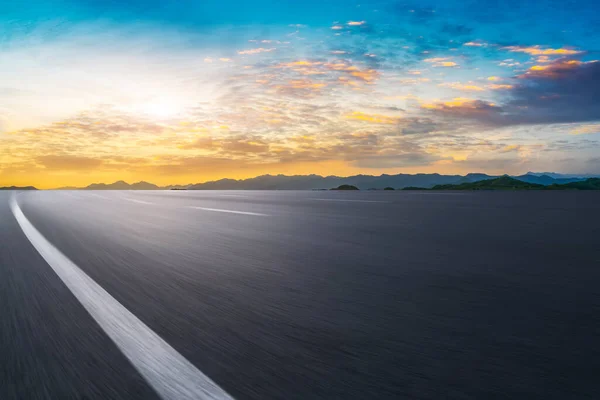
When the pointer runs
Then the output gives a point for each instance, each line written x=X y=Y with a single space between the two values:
x=588 y=184
x=18 y=188
x=308 y=182
x=508 y=183
x=414 y=188
x=176 y=187
x=346 y=187
x=67 y=188
x=315 y=182
x=121 y=185
x=556 y=175
x=546 y=179
x=503 y=183
x=364 y=182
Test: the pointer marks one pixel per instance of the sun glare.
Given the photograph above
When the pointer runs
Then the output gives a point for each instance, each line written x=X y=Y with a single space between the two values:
x=161 y=108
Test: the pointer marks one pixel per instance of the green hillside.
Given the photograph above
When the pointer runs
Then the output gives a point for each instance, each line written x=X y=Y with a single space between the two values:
x=503 y=183
x=588 y=184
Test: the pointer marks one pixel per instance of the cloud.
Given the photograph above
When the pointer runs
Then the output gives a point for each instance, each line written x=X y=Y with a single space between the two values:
x=441 y=62
x=564 y=91
x=468 y=87
x=335 y=70
x=585 y=129
x=475 y=44
x=510 y=148
x=540 y=51
x=373 y=118
x=356 y=23
x=199 y=143
x=68 y=162
x=558 y=69
x=244 y=145
x=418 y=126
x=461 y=106
x=495 y=86
x=256 y=51
x=397 y=160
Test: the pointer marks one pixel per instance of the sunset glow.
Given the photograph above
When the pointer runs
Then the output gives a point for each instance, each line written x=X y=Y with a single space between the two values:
x=97 y=93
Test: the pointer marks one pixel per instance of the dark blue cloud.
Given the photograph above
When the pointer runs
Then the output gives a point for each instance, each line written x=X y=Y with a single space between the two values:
x=565 y=91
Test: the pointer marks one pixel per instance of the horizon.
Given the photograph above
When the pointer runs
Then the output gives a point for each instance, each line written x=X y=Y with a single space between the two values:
x=174 y=92
x=130 y=183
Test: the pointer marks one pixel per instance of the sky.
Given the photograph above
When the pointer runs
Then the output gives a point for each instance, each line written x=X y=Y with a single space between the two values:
x=187 y=91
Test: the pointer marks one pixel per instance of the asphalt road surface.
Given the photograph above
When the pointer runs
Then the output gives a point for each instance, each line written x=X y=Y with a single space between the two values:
x=299 y=295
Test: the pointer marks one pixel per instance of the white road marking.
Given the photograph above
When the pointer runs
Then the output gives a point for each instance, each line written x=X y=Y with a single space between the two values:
x=229 y=211
x=167 y=371
x=354 y=201
x=137 y=201
x=436 y=193
x=233 y=195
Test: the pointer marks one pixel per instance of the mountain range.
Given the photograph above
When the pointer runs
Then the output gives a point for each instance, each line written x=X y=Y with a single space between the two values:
x=309 y=182
x=18 y=188
x=508 y=183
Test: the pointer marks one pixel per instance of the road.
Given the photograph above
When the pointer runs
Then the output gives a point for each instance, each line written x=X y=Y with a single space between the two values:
x=299 y=295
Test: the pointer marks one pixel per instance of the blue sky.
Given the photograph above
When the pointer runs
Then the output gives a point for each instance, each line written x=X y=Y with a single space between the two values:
x=181 y=91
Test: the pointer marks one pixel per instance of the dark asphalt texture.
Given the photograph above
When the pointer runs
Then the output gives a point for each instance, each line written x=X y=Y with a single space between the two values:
x=330 y=295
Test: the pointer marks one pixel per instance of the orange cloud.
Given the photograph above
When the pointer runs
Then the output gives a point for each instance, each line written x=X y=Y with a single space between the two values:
x=368 y=75
x=68 y=162
x=494 y=86
x=373 y=118
x=435 y=59
x=554 y=69
x=305 y=84
x=441 y=62
x=543 y=59
x=305 y=67
x=458 y=103
x=465 y=87
x=300 y=63
x=539 y=51
x=475 y=44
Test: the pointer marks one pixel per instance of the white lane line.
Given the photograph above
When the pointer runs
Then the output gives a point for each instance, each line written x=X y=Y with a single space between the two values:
x=167 y=371
x=435 y=193
x=136 y=201
x=233 y=195
x=354 y=201
x=229 y=211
